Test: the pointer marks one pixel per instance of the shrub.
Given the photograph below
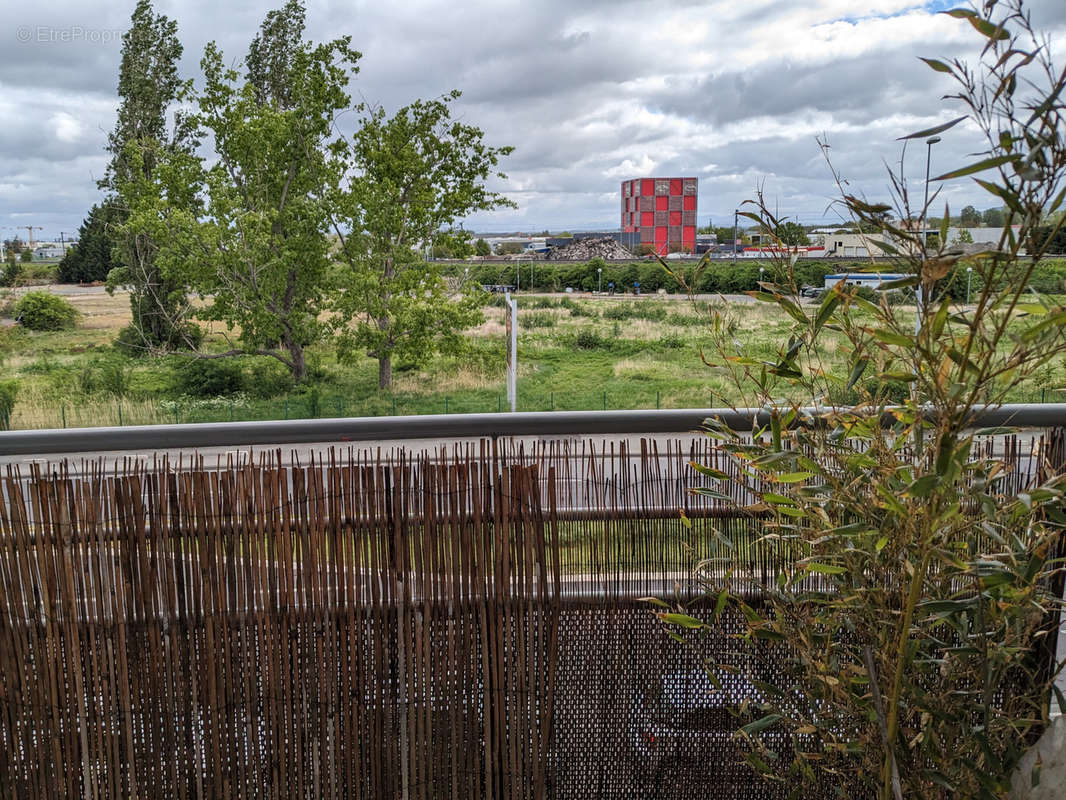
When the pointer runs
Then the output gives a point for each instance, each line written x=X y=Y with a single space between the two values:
x=588 y=340
x=88 y=379
x=671 y=341
x=9 y=275
x=209 y=377
x=269 y=378
x=115 y=378
x=44 y=311
x=8 y=391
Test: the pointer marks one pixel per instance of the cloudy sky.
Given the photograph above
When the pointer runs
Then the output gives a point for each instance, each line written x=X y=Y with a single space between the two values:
x=589 y=93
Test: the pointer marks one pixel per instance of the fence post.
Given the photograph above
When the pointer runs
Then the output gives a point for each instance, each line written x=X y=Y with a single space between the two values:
x=286 y=408
x=340 y=407
x=656 y=399
x=553 y=401
x=604 y=399
x=499 y=404
x=231 y=411
x=394 y=405
x=1042 y=395
x=63 y=410
x=118 y=404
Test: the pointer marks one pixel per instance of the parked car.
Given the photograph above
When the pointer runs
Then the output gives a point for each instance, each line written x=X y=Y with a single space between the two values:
x=813 y=292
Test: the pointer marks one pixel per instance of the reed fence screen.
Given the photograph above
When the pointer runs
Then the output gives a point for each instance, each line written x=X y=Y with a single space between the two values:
x=462 y=623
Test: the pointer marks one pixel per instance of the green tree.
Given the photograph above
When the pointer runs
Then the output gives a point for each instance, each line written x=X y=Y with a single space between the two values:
x=261 y=253
x=963 y=237
x=508 y=248
x=273 y=56
x=969 y=217
x=482 y=248
x=725 y=234
x=792 y=233
x=410 y=177
x=150 y=90
x=26 y=256
x=992 y=217
x=91 y=258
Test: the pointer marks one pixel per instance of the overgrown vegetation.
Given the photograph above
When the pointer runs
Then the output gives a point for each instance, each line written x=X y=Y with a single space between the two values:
x=918 y=591
x=44 y=311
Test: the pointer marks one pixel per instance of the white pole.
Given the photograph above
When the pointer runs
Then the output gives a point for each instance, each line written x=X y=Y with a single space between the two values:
x=512 y=351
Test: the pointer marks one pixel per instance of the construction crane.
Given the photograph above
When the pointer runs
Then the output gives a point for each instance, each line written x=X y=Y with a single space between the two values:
x=30 y=229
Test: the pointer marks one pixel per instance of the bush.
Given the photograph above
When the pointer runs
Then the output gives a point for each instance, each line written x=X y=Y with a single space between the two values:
x=115 y=378
x=44 y=311
x=589 y=340
x=209 y=377
x=671 y=341
x=269 y=378
x=8 y=391
x=10 y=274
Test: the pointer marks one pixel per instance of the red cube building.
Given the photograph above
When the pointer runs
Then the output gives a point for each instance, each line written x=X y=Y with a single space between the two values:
x=661 y=212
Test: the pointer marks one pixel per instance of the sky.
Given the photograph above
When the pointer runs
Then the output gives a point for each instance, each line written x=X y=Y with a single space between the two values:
x=588 y=93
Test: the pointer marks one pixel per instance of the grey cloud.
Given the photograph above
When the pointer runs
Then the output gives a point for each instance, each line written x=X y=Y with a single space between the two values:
x=578 y=89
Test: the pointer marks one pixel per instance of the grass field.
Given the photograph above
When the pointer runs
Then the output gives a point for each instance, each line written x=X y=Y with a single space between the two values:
x=575 y=353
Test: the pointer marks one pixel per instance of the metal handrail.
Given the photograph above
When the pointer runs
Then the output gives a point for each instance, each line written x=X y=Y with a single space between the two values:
x=439 y=426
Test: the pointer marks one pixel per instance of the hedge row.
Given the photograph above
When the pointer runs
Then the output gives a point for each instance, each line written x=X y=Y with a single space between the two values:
x=722 y=276
x=718 y=276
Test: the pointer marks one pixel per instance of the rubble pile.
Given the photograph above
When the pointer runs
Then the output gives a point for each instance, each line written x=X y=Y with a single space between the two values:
x=585 y=249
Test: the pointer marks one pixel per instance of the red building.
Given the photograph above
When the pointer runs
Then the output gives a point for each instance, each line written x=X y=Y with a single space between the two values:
x=660 y=212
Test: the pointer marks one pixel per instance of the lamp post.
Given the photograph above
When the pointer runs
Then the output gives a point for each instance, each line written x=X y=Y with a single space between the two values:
x=925 y=204
x=925 y=240
x=736 y=214
x=599 y=280
x=761 y=271
x=969 y=277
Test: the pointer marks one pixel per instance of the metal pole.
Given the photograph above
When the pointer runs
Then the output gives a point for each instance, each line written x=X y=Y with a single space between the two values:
x=925 y=240
x=969 y=277
x=512 y=351
x=735 y=216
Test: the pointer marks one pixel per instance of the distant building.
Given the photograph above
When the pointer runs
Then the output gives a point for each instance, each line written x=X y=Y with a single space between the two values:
x=47 y=252
x=660 y=212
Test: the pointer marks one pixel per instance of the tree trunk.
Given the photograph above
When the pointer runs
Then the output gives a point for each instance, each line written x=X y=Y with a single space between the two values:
x=384 y=371
x=299 y=363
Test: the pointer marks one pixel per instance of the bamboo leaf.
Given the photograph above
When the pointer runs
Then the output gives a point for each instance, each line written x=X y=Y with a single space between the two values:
x=939 y=66
x=825 y=569
x=791 y=477
x=857 y=371
x=761 y=724
x=681 y=620
x=932 y=131
x=653 y=600
x=980 y=166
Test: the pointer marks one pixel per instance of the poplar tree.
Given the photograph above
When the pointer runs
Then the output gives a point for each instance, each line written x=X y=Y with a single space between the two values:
x=149 y=129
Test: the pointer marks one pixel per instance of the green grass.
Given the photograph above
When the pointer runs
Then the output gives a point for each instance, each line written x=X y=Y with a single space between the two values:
x=633 y=354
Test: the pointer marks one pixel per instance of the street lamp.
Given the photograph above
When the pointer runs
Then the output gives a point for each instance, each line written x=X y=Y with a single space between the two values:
x=735 y=216
x=599 y=280
x=925 y=204
x=969 y=276
x=761 y=271
x=925 y=240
